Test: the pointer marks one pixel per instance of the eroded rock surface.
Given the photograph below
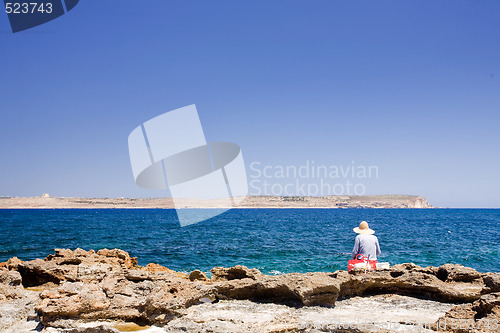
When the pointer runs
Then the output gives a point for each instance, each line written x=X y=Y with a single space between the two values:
x=69 y=288
x=366 y=314
x=10 y=285
x=482 y=315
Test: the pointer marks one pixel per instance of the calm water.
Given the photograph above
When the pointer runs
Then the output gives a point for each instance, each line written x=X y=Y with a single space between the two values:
x=272 y=240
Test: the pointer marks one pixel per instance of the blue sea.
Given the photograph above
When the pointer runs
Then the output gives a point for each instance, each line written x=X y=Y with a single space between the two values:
x=273 y=240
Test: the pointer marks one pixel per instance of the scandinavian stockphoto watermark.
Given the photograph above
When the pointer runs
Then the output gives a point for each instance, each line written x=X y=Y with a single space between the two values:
x=171 y=151
x=442 y=325
x=27 y=14
x=310 y=179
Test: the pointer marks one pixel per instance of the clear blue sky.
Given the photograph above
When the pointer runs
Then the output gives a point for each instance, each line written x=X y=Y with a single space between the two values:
x=412 y=87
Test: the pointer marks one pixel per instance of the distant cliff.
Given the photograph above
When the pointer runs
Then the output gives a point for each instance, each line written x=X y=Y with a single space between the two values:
x=339 y=201
x=354 y=201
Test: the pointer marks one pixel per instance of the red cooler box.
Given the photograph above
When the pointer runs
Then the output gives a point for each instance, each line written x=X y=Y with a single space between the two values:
x=361 y=262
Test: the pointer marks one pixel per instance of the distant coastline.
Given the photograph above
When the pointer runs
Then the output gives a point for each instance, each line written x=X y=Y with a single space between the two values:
x=346 y=201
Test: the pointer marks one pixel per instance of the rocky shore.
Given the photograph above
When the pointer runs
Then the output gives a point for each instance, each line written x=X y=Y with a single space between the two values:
x=107 y=291
x=353 y=201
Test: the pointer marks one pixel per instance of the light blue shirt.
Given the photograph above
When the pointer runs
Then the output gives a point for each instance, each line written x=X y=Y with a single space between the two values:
x=366 y=245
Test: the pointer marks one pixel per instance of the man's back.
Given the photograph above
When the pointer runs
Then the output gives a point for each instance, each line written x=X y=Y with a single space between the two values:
x=366 y=245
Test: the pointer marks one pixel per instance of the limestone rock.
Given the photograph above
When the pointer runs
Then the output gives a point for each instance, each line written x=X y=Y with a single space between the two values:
x=38 y=272
x=294 y=288
x=492 y=282
x=11 y=278
x=409 y=280
x=123 y=257
x=10 y=285
x=69 y=288
x=93 y=329
x=15 y=312
x=458 y=273
x=482 y=315
x=131 y=298
x=234 y=273
x=12 y=263
x=197 y=275
x=252 y=317
x=154 y=268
